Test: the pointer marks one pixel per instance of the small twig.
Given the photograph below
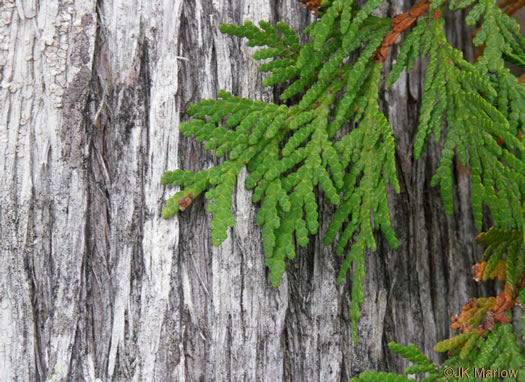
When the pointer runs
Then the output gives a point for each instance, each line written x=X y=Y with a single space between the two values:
x=515 y=7
x=401 y=23
x=312 y=5
x=505 y=3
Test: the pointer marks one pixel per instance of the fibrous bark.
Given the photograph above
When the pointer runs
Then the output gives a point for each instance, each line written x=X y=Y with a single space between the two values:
x=96 y=285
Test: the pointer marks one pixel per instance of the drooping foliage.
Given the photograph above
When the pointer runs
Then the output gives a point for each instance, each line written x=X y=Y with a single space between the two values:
x=481 y=104
x=290 y=150
x=328 y=133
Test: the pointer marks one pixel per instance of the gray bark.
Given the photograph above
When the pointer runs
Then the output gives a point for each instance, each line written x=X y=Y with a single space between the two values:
x=95 y=285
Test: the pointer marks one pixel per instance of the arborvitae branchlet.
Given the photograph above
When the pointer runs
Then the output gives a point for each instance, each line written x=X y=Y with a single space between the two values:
x=487 y=339
x=477 y=111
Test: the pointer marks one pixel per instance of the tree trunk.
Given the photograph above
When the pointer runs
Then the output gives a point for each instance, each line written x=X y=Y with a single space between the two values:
x=95 y=285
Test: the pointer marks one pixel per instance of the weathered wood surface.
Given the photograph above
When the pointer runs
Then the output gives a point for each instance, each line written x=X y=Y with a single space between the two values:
x=95 y=285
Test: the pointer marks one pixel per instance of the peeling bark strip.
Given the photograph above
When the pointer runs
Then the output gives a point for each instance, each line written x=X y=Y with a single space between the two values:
x=95 y=285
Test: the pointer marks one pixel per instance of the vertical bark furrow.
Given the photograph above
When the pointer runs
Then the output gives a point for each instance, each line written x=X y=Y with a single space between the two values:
x=46 y=183
x=17 y=337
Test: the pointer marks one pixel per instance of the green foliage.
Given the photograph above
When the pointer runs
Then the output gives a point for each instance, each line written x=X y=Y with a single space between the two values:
x=496 y=351
x=521 y=301
x=503 y=246
x=481 y=104
x=484 y=346
x=290 y=151
x=333 y=140
x=412 y=354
